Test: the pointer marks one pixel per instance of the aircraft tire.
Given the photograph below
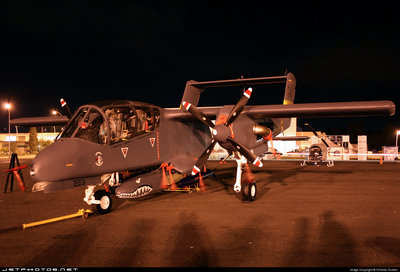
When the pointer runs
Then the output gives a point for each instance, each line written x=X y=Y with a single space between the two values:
x=249 y=191
x=105 y=201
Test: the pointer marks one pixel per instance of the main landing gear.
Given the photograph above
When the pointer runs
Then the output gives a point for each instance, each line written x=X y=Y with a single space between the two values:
x=249 y=189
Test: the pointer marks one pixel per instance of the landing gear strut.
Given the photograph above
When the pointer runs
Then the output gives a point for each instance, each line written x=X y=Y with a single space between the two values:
x=249 y=189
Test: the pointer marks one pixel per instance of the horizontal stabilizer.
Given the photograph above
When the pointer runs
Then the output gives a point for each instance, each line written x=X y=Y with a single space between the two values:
x=239 y=82
x=193 y=88
x=40 y=121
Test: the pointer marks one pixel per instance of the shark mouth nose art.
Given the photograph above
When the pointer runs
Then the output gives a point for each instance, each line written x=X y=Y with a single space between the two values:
x=141 y=191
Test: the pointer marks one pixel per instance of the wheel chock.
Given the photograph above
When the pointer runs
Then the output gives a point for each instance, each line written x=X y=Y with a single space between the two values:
x=82 y=212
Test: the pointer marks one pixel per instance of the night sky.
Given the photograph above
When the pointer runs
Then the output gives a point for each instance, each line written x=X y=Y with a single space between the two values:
x=85 y=51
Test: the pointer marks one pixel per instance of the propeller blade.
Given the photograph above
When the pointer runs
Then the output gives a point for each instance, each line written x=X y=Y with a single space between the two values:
x=65 y=106
x=203 y=158
x=198 y=114
x=244 y=151
x=237 y=109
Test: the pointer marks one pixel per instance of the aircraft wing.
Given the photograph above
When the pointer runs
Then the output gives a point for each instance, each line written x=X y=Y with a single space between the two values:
x=291 y=138
x=305 y=110
x=40 y=121
x=338 y=109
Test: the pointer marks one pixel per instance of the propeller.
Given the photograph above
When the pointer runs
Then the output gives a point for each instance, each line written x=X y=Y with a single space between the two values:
x=198 y=114
x=203 y=158
x=223 y=132
x=65 y=106
x=244 y=151
x=237 y=109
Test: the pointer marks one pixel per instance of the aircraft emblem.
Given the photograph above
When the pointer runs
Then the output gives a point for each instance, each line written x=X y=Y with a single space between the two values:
x=124 y=151
x=152 y=141
x=99 y=159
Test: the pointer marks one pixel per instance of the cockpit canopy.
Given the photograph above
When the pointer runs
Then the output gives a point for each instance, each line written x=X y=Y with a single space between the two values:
x=112 y=123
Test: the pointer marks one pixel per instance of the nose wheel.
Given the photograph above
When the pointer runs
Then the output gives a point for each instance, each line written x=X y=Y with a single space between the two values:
x=249 y=191
x=103 y=201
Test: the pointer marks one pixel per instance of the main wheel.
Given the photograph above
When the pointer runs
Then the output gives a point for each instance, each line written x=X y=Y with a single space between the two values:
x=249 y=191
x=105 y=201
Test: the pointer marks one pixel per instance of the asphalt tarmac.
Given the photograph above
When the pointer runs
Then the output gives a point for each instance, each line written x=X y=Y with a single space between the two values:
x=343 y=216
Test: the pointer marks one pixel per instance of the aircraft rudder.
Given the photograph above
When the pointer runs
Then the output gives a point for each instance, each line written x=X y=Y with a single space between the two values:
x=290 y=89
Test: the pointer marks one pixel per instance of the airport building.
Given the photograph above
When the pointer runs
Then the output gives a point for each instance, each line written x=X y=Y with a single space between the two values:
x=20 y=141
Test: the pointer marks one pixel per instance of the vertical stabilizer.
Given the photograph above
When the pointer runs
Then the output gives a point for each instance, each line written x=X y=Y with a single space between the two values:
x=290 y=89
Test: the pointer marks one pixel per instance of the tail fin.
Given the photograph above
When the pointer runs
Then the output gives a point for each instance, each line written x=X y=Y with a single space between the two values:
x=288 y=99
x=290 y=89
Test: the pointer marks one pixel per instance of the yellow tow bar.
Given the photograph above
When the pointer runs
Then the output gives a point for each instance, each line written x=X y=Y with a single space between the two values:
x=82 y=212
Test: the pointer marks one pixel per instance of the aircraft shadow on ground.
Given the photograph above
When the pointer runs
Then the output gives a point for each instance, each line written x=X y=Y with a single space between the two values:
x=385 y=245
x=331 y=245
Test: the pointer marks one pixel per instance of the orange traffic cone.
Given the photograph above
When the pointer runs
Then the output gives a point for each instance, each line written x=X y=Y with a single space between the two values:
x=380 y=160
x=173 y=185
x=20 y=181
x=201 y=183
x=164 y=182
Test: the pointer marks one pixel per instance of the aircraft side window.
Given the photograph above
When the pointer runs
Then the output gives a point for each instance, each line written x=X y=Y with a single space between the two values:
x=120 y=121
x=131 y=124
x=69 y=131
x=92 y=128
x=128 y=122
x=141 y=124
x=148 y=119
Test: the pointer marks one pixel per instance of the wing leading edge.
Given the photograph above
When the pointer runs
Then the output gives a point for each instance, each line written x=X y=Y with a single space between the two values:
x=309 y=110
x=338 y=109
x=40 y=121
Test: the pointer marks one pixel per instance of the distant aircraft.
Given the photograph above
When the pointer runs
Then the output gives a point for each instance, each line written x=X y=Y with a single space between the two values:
x=318 y=153
x=129 y=146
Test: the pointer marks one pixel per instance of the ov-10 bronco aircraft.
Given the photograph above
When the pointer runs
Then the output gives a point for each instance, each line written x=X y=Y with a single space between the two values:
x=126 y=146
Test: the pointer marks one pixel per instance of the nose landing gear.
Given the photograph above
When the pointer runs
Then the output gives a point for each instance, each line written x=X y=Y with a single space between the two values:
x=249 y=191
x=100 y=200
x=103 y=201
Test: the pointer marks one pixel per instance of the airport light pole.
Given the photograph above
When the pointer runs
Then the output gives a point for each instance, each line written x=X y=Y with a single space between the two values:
x=54 y=112
x=397 y=140
x=8 y=107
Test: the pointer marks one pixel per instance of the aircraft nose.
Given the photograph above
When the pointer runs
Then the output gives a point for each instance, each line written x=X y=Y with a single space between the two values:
x=38 y=168
x=65 y=159
x=50 y=163
x=32 y=169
